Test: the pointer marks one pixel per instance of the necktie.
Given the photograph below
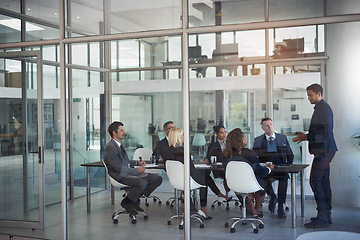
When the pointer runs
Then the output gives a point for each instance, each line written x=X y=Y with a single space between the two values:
x=123 y=152
x=271 y=145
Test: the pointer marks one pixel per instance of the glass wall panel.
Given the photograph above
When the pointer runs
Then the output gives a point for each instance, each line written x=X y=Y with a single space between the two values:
x=335 y=7
x=86 y=113
x=10 y=29
x=47 y=10
x=293 y=9
x=51 y=53
x=161 y=55
x=236 y=52
x=36 y=32
x=13 y=5
x=87 y=17
x=307 y=41
x=210 y=13
x=152 y=15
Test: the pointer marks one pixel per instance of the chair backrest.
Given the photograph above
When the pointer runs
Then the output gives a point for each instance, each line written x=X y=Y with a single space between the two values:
x=144 y=153
x=175 y=172
x=113 y=181
x=240 y=177
x=199 y=140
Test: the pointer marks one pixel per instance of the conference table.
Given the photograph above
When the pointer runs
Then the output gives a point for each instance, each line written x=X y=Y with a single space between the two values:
x=292 y=169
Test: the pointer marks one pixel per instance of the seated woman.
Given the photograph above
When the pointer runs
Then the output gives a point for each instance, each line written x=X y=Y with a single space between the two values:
x=235 y=151
x=176 y=140
x=215 y=149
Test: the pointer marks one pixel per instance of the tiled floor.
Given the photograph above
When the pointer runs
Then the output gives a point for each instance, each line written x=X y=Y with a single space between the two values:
x=98 y=224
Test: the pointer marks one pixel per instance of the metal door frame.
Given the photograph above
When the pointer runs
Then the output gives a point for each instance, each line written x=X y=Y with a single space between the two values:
x=40 y=224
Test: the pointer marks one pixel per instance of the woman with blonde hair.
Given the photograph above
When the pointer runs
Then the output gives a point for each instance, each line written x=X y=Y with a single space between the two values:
x=176 y=141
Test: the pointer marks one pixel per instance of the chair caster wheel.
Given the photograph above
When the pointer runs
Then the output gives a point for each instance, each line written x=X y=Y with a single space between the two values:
x=219 y=203
x=256 y=230
x=226 y=225
x=227 y=208
x=201 y=225
x=133 y=221
x=244 y=222
x=169 y=222
x=287 y=209
x=236 y=204
x=146 y=217
x=261 y=226
x=115 y=221
x=154 y=200
x=212 y=206
x=167 y=203
x=232 y=230
x=159 y=202
x=146 y=204
x=181 y=226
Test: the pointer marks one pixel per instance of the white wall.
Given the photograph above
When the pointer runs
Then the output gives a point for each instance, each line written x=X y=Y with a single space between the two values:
x=342 y=91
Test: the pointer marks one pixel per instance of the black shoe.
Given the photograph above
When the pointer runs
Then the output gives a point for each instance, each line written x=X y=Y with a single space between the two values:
x=328 y=218
x=137 y=207
x=272 y=204
x=128 y=206
x=281 y=213
x=316 y=223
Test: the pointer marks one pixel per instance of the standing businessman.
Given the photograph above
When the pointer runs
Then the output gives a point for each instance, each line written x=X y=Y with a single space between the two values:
x=322 y=145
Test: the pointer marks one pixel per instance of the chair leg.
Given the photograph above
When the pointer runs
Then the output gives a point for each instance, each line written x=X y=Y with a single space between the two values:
x=181 y=219
x=243 y=219
x=133 y=217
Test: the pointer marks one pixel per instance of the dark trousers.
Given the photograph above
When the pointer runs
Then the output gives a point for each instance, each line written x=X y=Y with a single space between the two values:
x=143 y=184
x=211 y=183
x=320 y=184
x=282 y=186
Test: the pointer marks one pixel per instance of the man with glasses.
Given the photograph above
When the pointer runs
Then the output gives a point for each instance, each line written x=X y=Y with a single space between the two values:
x=161 y=151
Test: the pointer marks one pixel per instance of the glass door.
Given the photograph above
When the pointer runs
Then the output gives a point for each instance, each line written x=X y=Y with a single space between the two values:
x=21 y=140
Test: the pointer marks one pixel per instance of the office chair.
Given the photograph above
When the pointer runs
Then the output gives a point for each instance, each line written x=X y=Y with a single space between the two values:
x=145 y=155
x=124 y=187
x=241 y=179
x=175 y=172
x=199 y=141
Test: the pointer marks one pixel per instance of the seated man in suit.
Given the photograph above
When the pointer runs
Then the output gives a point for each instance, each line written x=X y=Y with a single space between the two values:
x=275 y=148
x=161 y=150
x=122 y=170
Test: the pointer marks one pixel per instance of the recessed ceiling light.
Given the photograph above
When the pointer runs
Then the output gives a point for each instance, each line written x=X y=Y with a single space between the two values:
x=16 y=24
x=56 y=13
x=28 y=9
x=77 y=17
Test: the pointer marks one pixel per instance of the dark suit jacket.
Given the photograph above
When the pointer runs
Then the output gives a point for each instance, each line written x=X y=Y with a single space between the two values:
x=320 y=136
x=117 y=161
x=284 y=152
x=258 y=170
x=162 y=150
x=249 y=155
x=215 y=150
